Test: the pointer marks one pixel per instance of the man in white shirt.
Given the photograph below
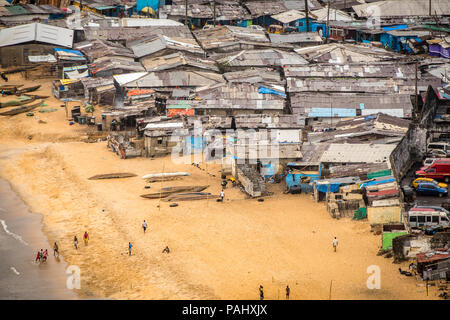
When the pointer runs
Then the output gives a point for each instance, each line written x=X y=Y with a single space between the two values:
x=335 y=243
x=222 y=194
x=144 y=225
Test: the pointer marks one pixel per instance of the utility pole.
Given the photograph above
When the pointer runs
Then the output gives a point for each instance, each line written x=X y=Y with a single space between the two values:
x=186 y=16
x=328 y=21
x=307 y=15
x=429 y=7
x=214 y=12
x=416 y=96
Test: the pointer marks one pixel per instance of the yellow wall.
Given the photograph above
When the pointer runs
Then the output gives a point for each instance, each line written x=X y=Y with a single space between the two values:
x=377 y=215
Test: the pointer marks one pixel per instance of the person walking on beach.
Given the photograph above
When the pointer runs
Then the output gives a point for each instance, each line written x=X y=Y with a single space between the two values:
x=38 y=256
x=75 y=242
x=55 y=250
x=261 y=292
x=86 y=238
x=288 y=292
x=222 y=195
x=335 y=243
x=129 y=248
x=144 y=225
x=44 y=256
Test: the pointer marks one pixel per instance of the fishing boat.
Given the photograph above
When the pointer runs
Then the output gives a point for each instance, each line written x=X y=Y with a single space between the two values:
x=164 y=175
x=36 y=96
x=165 y=192
x=19 y=92
x=112 y=176
x=10 y=86
x=15 y=103
x=21 y=109
x=190 y=196
x=25 y=90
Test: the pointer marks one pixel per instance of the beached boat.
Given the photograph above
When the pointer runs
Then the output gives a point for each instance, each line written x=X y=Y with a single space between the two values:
x=15 y=103
x=19 y=92
x=112 y=176
x=22 y=109
x=25 y=90
x=164 y=175
x=190 y=196
x=165 y=192
x=36 y=96
x=10 y=86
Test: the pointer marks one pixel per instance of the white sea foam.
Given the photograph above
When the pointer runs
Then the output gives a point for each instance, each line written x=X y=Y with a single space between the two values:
x=15 y=271
x=15 y=236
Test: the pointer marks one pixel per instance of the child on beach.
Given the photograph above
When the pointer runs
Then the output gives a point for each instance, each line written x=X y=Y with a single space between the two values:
x=38 y=257
x=129 y=248
x=86 y=238
x=144 y=225
x=75 y=242
x=55 y=250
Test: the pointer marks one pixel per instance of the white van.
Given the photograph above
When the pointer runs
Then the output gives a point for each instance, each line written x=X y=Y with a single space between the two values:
x=443 y=146
x=420 y=217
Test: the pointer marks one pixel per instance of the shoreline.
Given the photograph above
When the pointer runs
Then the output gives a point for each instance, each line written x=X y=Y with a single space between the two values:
x=22 y=234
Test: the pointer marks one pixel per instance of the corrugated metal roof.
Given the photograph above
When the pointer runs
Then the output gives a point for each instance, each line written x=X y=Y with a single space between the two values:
x=289 y=16
x=143 y=22
x=263 y=58
x=403 y=8
x=358 y=153
x=36 y=32
x=301 y=37
x=122 y=79
x=17 y=10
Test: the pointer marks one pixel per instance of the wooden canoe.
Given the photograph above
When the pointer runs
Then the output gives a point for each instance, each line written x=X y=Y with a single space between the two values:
x=15 y=103
x=112 y=176
x=22 y=109
x=25 y=90
x=10 y=86
x=187 y=196
x=164 y=175
x=36 y=96
x=165 y=192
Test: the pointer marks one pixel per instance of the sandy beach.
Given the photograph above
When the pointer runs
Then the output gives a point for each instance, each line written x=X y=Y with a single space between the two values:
x=218 y=250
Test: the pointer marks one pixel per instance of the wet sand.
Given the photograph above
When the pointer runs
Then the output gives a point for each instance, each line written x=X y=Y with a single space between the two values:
x=20 y=239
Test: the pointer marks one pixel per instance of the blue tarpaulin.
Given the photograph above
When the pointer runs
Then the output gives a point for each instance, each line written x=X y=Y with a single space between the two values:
x=331 y=187
x=397 y=27
x=372 y=183
x=68 y=50
x=262 y=89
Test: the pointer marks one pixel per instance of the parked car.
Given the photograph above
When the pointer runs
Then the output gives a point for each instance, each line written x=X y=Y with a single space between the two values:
x=430 y=230
x=415 y=183
x=431 y=189
x=424 y=217
x=207 y=26
x=256 y=27
x=436 y=153
x=439 y=170
x=429 y=161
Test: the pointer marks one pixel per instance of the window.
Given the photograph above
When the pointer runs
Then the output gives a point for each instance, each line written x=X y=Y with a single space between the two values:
x=444 y=219
x=421 y=219
x=435 y=219
x=159 y=140
x=428 y=218
x=412 y=218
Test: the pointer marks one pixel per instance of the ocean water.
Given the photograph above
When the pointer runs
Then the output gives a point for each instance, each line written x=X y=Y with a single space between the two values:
x=21 y=237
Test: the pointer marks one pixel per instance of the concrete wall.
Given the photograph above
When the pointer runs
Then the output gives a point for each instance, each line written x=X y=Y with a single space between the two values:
x=379 y=215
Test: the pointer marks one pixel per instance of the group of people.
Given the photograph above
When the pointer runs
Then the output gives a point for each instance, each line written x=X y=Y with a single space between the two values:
x=42 y=256
x=261 y=292
x=85 y=239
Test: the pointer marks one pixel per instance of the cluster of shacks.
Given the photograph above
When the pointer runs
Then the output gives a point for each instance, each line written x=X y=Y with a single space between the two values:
x=328 y=99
